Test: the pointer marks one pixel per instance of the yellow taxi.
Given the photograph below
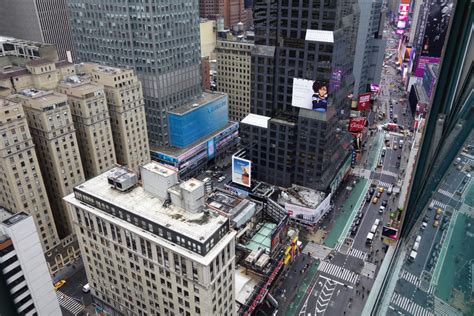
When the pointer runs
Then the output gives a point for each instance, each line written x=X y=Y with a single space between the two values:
x=439 y=211
x=435 y=223
x=58 y=284
x=381 y=189
x=375 y=200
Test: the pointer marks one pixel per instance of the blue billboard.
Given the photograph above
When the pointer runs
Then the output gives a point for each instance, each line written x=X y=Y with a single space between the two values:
x=190 y=126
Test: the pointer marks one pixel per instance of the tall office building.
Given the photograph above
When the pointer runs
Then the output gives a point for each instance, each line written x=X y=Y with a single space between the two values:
x=301 y=79
x=92 y=123
x=40 y=21
x=370 y=46
x=159 y=39
x=440 y=178
x=232 y=11
x=51 y=125
x=154 y=249
x=124 y=95
x=21 y=182
x=25 y=283
x=233 y=75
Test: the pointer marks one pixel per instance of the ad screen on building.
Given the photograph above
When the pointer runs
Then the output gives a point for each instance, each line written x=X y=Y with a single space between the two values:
x=309 y=94
x=389 y=232
x=356 y=124
x=364 y=101
x=241 y=171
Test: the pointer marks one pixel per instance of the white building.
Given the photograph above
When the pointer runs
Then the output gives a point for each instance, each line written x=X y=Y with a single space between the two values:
x=24 y=269
x=154 y=249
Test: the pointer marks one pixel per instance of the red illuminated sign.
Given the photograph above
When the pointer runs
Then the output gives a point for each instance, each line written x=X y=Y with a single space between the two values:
x=364 y=101
x=356 y=124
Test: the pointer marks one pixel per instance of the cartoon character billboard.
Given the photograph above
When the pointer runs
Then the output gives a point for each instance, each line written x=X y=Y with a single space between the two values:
x=241 y=171
x=309 y=94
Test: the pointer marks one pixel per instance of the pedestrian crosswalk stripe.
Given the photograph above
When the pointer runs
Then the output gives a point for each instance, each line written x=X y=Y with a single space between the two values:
x=338 y=272
x=68 y=303
x=438 y=204
x=389 y=173
x=446 y=193
x=384 y=184
x=338 y=247
x=409 y=306
x=358 y=254
x=442 y=308
x=413 y=279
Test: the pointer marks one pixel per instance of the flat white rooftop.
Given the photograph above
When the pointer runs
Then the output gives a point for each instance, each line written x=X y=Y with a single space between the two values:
x=319 y=36
x=256 y=120
x=198 y=226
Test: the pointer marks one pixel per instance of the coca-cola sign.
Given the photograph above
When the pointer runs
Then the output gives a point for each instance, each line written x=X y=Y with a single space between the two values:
x=356 y=124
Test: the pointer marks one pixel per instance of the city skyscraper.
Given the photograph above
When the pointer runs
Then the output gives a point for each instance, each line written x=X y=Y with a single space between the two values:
x=370 y=46
x=165 y=253
x=232 y=11
x=40 y=21
x=159 y=39
x=52 y=128
x=303 y=65
x=21 y=183
x=25 y=284
x=233 y=75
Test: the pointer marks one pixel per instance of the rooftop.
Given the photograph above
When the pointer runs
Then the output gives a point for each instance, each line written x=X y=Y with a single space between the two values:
x=202 y=100
x=198 y=226
x=303 y=196
x=40 y=99
x=39 y=62
x=256 y=120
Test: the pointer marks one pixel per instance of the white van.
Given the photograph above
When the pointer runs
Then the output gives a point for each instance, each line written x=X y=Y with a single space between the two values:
x=418 y=238
x=373 y=229
x=412 y=257
x=370 y=238
x=86 y=288
x=206 y=180
x=377 y=222
x=416 y=246
x=390 y=190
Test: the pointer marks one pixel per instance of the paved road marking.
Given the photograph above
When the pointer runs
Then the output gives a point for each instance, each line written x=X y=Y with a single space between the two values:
x=325 y=296
x=390 y=173
x=338 y=272
x=442 y=308
x=413 y=279
x=438 y=204
x=68 y=303
x=358 y=254
x=409 y=306
x=384 y=184
x=446 y=193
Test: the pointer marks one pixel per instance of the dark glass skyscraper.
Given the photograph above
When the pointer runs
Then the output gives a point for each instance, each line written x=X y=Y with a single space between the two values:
x=298 y=44
x=158 y=38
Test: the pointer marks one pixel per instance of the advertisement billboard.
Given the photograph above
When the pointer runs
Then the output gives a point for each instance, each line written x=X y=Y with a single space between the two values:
x=374 y=87
x=422 y=61
x=309 y=214
x=357 y=142
x=356 y=124
x=211 y=148
x=241 y=171
x=309 y=94
x=390 y=232
x=364 y=101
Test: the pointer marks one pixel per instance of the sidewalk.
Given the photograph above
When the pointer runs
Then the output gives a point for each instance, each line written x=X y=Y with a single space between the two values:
x=347 y=209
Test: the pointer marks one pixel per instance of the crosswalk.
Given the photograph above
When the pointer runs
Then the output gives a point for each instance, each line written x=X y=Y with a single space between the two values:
x=389 y=173
x=384 y=184
x=413 y=279
x=358 y=254
x=444 y=309
x=436 y=203
x=409 y=306
x=69 y=304
x=338 y=272
x=446 y=193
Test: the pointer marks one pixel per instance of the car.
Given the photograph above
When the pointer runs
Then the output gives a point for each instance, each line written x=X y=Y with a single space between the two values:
x=435 y=223
x=394 y=147
x=371 y=191
x=437 y=216
x=381 y=209
x=367 y=198
x=439 y=211
x=424 y=225
x=360 y=215
x=58 y=284
x=375 y=200
x=381 y=189
x=354 y=230
x=378 y=194
x=221 y=179
x=357 y=222
x=399 y=157
x=425 y=219
x=384 y=202
x=400 y=145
